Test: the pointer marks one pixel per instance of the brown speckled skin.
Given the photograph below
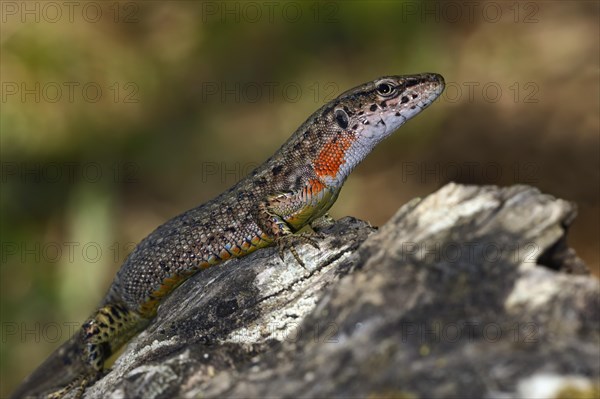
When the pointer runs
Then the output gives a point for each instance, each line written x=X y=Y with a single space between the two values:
x=290 y=190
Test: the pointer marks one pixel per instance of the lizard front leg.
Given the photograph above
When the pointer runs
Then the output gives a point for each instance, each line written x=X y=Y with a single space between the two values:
x=282 y=215
x=284 y=237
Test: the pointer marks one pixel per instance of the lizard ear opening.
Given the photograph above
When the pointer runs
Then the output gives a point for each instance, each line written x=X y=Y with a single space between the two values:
x=341 y=118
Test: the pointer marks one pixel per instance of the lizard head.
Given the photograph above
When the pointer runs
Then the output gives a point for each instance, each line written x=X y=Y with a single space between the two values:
x=358 y=119
x=376 y=109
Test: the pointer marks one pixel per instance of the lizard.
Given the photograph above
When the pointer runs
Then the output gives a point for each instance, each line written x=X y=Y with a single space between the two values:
x=292 y=189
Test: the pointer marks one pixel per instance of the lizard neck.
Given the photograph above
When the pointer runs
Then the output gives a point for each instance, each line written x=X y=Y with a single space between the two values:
x=338 y=157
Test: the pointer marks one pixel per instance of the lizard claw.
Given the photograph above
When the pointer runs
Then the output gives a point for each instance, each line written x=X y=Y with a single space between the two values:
x=290 y=241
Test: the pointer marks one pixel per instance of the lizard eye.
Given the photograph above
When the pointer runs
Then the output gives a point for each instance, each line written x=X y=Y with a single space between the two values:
x=385 y=89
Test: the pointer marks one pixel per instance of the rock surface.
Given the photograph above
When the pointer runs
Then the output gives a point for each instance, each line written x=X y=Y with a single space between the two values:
x=471 y=292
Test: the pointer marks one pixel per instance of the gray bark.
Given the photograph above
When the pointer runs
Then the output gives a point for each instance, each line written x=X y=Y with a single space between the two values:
x=471 y=292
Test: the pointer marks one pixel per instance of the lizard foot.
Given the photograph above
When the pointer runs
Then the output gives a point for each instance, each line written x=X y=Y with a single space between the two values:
x=75 y=388
x=290 y=241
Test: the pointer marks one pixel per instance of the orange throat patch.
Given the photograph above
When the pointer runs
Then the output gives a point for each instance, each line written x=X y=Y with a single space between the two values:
x=333 y=154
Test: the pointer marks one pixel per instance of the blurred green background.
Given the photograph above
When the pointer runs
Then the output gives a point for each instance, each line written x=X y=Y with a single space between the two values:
x=116 y=116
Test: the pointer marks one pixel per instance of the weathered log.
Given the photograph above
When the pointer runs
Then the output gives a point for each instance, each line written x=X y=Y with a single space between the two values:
x=470 y=292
